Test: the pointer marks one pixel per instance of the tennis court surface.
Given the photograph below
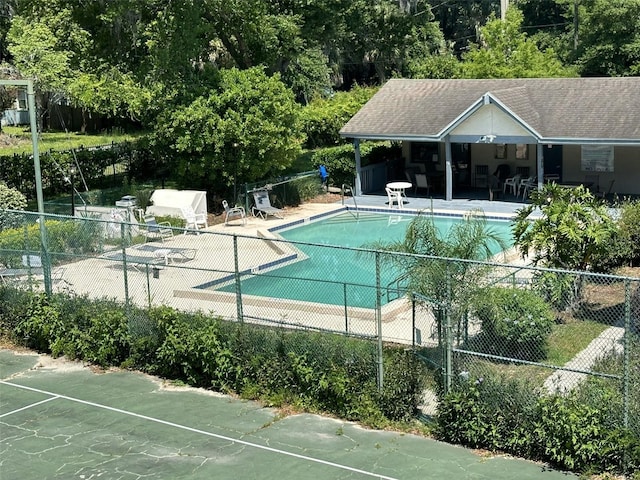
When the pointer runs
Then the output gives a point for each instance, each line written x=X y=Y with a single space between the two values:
x=62 y=420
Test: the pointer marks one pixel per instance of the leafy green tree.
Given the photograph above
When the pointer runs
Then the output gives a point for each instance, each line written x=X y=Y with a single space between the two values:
x=323 y=118
x=610 y=38
x=460 y=20
x=438 y=268
x=244 y=127
x=10 y=199
x=572 y=232
x=506 y=52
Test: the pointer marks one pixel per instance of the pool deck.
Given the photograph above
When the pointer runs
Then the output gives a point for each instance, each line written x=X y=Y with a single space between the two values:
x=175 y=284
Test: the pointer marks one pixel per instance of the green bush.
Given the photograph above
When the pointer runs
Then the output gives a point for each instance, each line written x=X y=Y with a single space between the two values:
x=65 y=238
x=515 y=322
x=510 y=416
x=340 y=160
x=10 y=199
x=492 y=413
x=404 y=384
x=323 y=118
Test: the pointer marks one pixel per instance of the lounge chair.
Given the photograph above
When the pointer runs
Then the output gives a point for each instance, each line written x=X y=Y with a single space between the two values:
x=231 y=213
x=32 y=266
x=193 y=220
x=155 y=230
x=263 y=207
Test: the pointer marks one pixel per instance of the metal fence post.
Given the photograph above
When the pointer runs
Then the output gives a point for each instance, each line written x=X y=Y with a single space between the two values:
x=379 y=324
x=627 y=354
x=239 y=312
x=123 y=233
x=346 y=317
x=448 y=345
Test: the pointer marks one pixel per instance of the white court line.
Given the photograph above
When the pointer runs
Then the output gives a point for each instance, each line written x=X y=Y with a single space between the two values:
x=29 y=406
x=202 y=432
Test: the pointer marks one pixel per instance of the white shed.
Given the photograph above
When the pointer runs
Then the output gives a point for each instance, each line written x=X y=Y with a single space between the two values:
x=168 y=201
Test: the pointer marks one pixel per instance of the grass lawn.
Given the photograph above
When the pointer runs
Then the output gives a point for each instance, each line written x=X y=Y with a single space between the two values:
x=18 y=140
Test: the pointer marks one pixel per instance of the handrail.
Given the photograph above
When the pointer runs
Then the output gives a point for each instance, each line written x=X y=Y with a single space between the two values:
x=344 y=188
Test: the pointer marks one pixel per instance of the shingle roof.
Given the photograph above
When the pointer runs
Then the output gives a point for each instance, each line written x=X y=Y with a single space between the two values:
x=555 y=108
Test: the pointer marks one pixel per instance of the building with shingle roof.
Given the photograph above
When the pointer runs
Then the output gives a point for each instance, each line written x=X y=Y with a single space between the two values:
x=560 y=128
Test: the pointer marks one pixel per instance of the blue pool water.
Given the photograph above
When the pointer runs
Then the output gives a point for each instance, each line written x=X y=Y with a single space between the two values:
x=334 y=275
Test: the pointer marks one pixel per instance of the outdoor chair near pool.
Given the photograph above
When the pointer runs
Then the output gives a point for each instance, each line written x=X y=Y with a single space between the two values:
x=263 y=207
x=155 y=230
x=193 y=220
x=394 y=197
x=231 y=213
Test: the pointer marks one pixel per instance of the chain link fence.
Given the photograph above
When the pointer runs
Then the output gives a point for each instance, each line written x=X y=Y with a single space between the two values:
x=557 y=331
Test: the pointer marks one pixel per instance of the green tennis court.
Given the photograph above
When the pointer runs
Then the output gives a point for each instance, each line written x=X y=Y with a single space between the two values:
x=62 y=420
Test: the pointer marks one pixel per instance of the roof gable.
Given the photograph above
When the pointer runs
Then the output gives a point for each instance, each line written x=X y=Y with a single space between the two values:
x=551 y=109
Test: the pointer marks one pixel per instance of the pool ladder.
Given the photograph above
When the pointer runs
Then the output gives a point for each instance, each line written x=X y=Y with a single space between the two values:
x=349 y=188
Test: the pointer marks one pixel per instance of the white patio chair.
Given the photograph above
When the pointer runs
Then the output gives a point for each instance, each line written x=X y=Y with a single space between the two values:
x=394 y=196
x=193 y=220
x=512 y=183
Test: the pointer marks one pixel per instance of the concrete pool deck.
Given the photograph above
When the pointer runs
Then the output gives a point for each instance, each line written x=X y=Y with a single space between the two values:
x=175 y=284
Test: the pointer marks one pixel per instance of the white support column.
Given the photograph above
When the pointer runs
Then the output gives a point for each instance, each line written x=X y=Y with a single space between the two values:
x=540 y=164
x=358 y=185
x=448 y=170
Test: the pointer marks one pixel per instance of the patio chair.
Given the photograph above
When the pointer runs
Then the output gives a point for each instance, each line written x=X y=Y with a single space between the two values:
x=32 y=265
x=592 y=182
x=512 y=183
x=422 y=182
x=263 y=207
x=231 y=213
x=394 y=196
x=605 y=195
x=155 y=230
x=525 y=186
x=494 y=187
x=193 y=220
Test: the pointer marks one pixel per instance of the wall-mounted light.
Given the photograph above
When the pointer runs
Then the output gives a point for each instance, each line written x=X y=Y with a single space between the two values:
x=486 y=139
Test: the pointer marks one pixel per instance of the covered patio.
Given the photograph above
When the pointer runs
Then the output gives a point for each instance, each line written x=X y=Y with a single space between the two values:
x=459 y=133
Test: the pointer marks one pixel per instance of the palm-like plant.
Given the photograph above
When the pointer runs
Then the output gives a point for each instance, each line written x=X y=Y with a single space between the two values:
x=441 y=269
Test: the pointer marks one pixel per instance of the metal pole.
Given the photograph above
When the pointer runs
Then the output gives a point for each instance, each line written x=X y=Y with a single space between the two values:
x=73 y=202
x=239 y=312
x=447 y=335
x=46 y=261
x=346 y=318
x=123 y=235
x=379 y=324
x=627 y=352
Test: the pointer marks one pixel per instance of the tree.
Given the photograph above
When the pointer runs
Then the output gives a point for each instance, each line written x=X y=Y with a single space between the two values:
x=243 y=127
x=573 y=232
x=438 y=267
x=506 y=52
x=610 y=38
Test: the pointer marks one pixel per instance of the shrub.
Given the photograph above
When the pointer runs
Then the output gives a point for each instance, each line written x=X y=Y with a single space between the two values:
x=404 y=384
x=11 y=199
x=491 y=413
x=323 y=118
x=515 y=322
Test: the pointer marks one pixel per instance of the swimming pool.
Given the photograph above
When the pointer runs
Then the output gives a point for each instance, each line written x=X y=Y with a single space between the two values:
x=334 y=275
